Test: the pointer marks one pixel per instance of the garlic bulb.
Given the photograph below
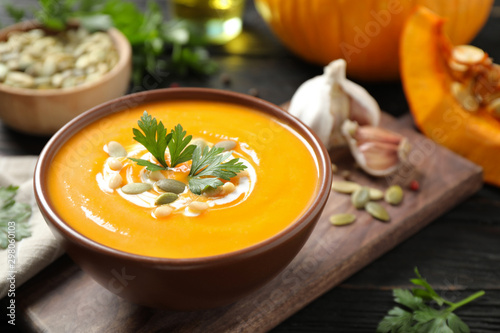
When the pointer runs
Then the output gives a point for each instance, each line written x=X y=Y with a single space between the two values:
x=377 y=151
x=326 y=101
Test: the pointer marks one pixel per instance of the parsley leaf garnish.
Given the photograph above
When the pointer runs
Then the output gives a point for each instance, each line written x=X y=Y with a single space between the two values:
x=419 y=317
x=155 y=139
x=178 y=147
x=12 y=211
x=209 y=167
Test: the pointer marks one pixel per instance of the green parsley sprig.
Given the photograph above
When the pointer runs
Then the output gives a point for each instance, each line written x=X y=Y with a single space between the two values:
x=155 y=139
x=208 y=166
x=417 y=316
x=12 y=211
x=178 y=147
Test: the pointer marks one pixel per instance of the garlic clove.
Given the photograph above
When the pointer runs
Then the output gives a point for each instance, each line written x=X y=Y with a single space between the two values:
x=326 y=101
x=308 y=104
x=377 y=151
x=364 y=109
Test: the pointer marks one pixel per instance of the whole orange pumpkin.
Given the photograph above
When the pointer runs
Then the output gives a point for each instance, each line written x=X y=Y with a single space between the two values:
x=364 y=32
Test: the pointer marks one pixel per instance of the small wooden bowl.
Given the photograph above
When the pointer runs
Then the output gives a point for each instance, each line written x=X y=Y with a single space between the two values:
x=43 y=112
x=193 y=283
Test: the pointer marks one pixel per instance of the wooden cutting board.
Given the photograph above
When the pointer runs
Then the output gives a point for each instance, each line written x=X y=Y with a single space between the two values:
x=64 y=299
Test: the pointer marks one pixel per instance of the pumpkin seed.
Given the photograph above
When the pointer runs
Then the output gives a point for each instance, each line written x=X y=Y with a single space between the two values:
x=228 y=188
x=494 y=107
x=346 y=174
x=19 y=79
x=212 y=192
x=136 y=188
x=377 y=211
x=376 y=194
x=199 y=142
x=467 y=54
x=360 y=197
x=243 y=173
x=115 y=149
x=115 y=181
x=342 y=219
x=394 y=195
x=166 y=198
x=3 y=71
x=345 y=186
x=226 y=144
x=163 y=211
x=156 y=175
x=171 y=185
x=464 y=96
x=198 y=206
x=115 y=164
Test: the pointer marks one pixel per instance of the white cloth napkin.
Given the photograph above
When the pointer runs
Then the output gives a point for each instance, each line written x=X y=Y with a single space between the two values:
x=35 y=252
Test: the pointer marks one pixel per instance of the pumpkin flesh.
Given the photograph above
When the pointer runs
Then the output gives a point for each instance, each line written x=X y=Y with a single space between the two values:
x=427 y=80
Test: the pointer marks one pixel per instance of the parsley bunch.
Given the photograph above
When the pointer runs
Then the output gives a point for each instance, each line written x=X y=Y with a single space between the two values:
x=208 y=166
x=418 y=316
x=12 y=211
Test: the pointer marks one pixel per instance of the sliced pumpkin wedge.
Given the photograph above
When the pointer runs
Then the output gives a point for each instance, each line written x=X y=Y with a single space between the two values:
x=453 y=92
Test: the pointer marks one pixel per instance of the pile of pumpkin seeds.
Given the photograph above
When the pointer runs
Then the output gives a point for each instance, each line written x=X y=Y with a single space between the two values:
x=364 y=197
x=36 y=60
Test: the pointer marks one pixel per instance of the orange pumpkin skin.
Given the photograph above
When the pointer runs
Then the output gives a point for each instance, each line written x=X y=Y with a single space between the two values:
x=436 y=112
x=364 y=32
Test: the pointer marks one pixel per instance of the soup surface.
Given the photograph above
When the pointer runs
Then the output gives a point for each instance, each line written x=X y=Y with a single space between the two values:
x=276 y=188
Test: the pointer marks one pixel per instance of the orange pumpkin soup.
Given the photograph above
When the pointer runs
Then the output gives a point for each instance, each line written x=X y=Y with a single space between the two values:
x=277 y=186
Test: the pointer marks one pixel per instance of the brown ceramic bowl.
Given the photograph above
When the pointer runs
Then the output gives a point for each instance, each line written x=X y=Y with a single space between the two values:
x=43 y=112
x=183 y=284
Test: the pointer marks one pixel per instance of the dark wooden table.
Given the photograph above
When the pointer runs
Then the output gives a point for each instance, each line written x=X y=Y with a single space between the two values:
x=459 y=253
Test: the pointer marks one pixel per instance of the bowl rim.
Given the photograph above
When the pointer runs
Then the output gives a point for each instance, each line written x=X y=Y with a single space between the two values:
x=120 y=104
x=122 y=45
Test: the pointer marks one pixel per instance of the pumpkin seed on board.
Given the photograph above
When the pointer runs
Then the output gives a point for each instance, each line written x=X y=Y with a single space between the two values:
x=377 y=211
x=394 y=195
x=360 y=197
x=136 y=188
x=376 y=194
x=166 y=198
x=342 y=219
x=171 y=185
x=345 y=186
